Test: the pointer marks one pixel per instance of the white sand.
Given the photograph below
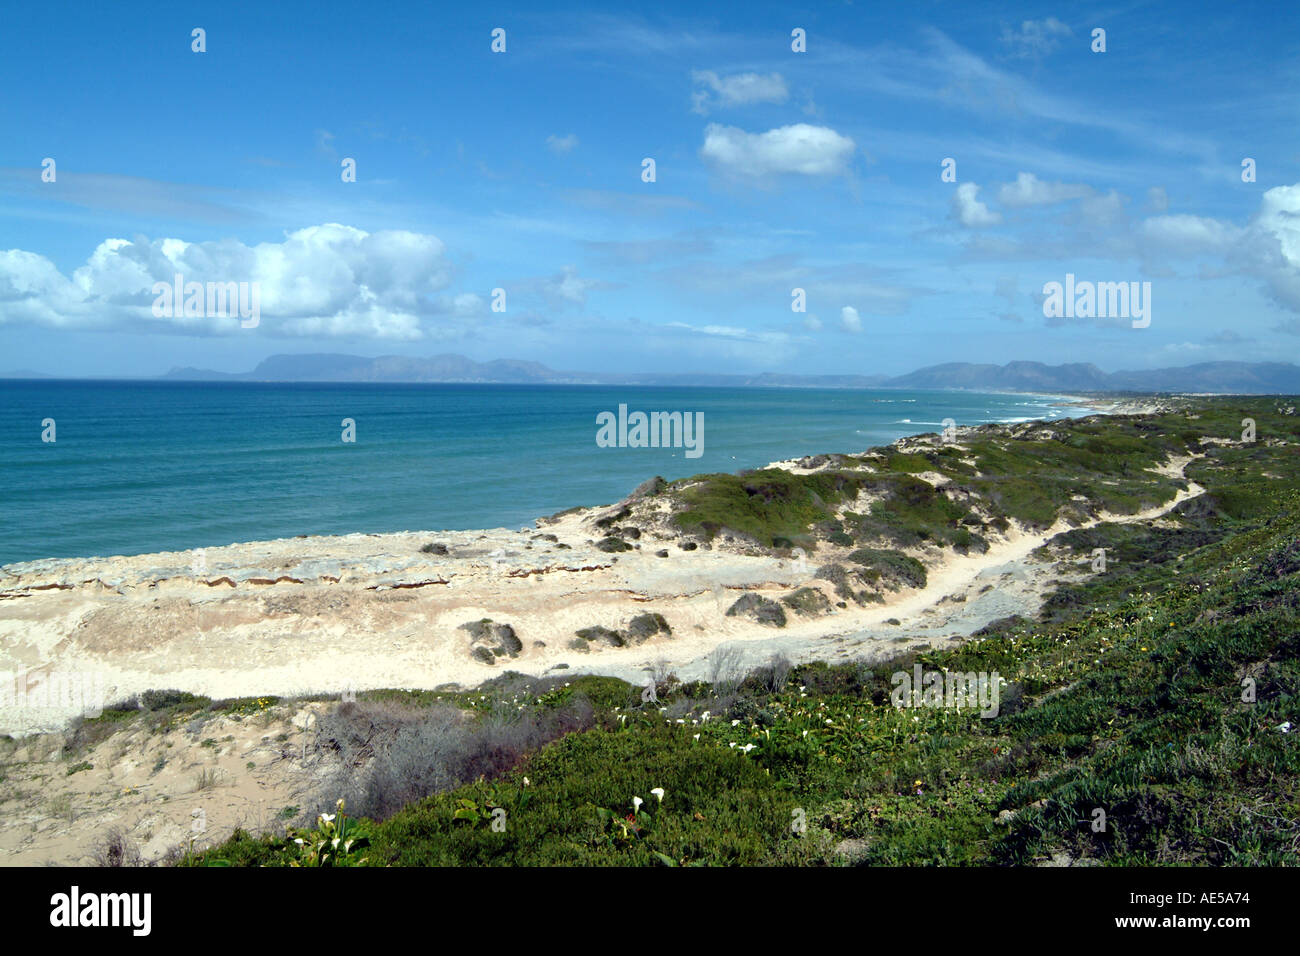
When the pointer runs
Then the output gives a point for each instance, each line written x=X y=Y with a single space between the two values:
x=322 y=614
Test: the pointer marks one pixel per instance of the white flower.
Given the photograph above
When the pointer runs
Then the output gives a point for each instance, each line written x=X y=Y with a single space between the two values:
x=697 y=736
x=734 y=722
x=527 y=782
x=1285 y=728
x=327 y=817
x=636 y=803
x=747 y=748
x=659 y=792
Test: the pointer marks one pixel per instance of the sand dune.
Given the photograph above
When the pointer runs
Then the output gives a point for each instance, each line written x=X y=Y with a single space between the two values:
x=327 y=614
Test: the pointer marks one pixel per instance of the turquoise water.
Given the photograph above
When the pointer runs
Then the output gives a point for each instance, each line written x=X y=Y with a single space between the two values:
x=156 y=466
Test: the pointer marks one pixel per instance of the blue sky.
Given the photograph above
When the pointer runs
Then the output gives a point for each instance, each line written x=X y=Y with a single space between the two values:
x=522 y=171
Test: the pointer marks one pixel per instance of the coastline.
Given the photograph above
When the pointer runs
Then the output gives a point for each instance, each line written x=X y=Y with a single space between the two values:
x=277 y=633
x=329 y=614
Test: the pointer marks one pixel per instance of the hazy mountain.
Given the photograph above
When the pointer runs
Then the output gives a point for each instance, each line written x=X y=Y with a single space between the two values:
x=1020 y=376
x=1244 y=377
x=450 y=368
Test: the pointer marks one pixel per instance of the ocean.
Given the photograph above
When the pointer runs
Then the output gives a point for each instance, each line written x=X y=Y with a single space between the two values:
x=138 y=467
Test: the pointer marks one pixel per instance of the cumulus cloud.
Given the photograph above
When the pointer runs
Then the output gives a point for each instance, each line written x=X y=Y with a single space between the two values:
x=562 y=144
x=801 y=148
x=850 y=319
x=739 y=89
x=1029 y=190
x=969 y=211
x=1277 y=237
x=1268 y=247
x=1035 y=38
x=330 y=280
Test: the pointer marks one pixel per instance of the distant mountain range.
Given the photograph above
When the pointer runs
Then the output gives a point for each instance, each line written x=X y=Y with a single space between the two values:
x=459 y=369
x=1234 y=377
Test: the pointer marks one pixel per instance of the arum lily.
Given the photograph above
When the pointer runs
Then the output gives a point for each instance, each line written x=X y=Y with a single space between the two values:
x=636 y=803
x=659 y=793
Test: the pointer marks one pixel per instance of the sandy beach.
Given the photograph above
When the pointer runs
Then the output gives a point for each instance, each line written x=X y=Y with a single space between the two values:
x=346 y=613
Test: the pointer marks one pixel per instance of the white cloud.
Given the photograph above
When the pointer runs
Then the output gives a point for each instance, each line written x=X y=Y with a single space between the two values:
x=1035 y=38
x=466 y=305
x=801 y=148
x=812 y=323
x=740 y=89
x=1029 y=190
x=322 y=280
x=1184 y=233
x=969 y=210
x=1279 y=216
x=850 y=319
x=562 y=144
x=1268 y=248
x=1277 y=229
